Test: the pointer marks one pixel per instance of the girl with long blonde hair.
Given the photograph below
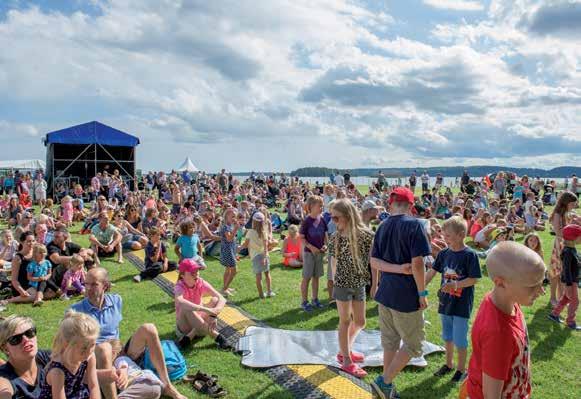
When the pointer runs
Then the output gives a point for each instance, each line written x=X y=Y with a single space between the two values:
x=349 y=249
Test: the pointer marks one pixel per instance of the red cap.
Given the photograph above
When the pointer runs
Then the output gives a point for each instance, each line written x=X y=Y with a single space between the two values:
x=571 y=232
x=401 y=194
x=189 y=265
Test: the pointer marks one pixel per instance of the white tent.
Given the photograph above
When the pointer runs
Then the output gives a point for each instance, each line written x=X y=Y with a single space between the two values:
x=187 y=166
x=23 y=164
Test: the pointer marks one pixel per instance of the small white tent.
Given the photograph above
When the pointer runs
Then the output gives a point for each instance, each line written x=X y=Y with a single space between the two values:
x=187 y=166
x=23 y=164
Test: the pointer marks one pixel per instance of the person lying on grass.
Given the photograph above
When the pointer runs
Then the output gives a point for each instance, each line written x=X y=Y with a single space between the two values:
x=194 y=319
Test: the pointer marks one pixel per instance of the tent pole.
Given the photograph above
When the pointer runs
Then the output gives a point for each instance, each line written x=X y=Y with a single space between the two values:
x=114 y=160
x=95 y=159
x=73 y=161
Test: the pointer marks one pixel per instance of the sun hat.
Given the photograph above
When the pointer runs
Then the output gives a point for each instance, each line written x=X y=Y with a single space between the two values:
x=401 y=194
x=189 y=265
x=368 y=204
x=258 y=216
x=496 y=232
x=571 y=232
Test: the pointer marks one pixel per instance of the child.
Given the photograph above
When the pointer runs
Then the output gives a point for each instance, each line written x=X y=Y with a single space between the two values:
x=313 y=232
x=500 y=361
x=41 y=229
x=533 y=241
x=292 y=248
x=257 y=244
x=460 y=271
x=72 y=371
x=39 y=273
x=74 y=278
x=156 y=260
x=188 y=244
x=228 y=232
x=569 y=277
x=350 y=247
x=192 y=318
x=67 y=210
x=8 y=248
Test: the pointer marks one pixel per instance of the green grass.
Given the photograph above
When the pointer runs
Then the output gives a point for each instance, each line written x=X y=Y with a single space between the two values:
x=555 y=351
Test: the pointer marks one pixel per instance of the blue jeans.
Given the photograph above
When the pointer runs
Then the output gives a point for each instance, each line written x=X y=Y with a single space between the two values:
x=455 y=329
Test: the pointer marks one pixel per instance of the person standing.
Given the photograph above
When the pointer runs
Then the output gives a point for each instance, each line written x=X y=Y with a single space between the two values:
x=425 y=182
x=400 y=240
x=413 y=181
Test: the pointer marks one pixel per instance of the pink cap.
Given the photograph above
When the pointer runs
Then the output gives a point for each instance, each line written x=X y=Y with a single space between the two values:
x=189 y=265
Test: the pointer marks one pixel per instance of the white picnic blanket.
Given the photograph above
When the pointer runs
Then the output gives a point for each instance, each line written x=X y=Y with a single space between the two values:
x=269 y=347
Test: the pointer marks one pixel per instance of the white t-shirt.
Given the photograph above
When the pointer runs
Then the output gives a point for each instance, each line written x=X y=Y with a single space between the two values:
x=339 y=180
x=425 y=178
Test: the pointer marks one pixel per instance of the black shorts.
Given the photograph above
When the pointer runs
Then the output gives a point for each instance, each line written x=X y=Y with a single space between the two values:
x=104 y=254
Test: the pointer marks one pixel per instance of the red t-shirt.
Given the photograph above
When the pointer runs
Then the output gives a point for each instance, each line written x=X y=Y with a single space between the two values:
x=476 y=227
x=500 y=348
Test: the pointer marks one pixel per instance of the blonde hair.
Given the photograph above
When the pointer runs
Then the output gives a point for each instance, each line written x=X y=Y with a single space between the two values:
x=75 y=327
x=226 y=212
x=313 y=200
x=77 y=260
x=38 y=249
x=9 y=325
x=355 y=228
x=293 y=228
x=456 y=225
x=260 y=228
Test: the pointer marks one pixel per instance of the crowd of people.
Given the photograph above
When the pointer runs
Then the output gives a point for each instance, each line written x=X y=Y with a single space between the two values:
x=387 y=243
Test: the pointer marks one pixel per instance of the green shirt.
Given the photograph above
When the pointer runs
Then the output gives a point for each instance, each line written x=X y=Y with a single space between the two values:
x=104 y=236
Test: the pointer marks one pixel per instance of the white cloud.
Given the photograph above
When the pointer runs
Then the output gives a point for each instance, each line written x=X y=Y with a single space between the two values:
x=12 y=130
x=456 y=5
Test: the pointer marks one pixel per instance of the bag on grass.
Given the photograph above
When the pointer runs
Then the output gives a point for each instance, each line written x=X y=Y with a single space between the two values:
x=174 y=361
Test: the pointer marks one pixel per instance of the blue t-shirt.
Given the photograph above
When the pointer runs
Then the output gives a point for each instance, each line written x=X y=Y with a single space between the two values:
x=188 y=245
x=399 y=239
x=314 y=234
x=38 y=270
x=457 y=266
x=109 y=316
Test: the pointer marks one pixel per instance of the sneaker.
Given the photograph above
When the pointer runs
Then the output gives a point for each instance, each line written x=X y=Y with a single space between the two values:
x=307 y=307
x=459 y=376
x=38 y=303
x=317 y=304
x=333 y=304
x=554 y=318
x=221 y=342
x=65 y=297
x=2 y=308
x=443 y=371
x=184 y=342
x=137 y=278
x=384 y=391
x=574 y=326
x=270 y=294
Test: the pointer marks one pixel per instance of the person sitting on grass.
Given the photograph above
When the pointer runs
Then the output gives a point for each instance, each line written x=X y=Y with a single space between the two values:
x=569 y=277
x=105 y=239
x=292 y=248
x=194 y=319
x=156 y=260
x=500 y=365
x=460 y=271
x=73 y=282
x=107 y=309
x=39 y=272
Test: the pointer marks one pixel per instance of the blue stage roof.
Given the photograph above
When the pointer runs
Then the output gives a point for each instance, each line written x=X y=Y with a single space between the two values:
x=92 y=133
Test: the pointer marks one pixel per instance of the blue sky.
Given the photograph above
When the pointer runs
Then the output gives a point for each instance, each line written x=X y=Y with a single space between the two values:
x=280 y=84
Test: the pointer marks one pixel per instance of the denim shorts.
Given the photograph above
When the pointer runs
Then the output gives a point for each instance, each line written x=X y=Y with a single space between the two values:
x=455 y=329
x=349 y=294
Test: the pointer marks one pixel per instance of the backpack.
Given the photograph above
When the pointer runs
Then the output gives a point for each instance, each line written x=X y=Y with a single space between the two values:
x=174 y=361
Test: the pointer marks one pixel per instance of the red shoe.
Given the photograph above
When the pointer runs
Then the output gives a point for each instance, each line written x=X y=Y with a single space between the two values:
x=356 y=357
x=354 y=370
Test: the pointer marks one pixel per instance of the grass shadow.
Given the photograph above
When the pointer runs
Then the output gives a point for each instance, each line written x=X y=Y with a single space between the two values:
x=168 y=307
x=555 y=335
x=427 y=385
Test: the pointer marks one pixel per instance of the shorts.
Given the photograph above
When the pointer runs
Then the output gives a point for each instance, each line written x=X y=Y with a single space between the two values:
x=175 y=209
x=344 y=294
x=258 y=264
x=425 y=186
x=397 y=326
x=102 y=254
x=455 y=329
x=313 y=265
x=329 y=269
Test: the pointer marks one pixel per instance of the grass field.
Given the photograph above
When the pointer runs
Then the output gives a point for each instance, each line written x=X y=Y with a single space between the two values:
x=555 y=351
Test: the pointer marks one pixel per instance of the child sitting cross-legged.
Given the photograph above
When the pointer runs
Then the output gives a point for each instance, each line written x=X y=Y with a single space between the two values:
x=194 y=319
x=74 y=279
x=460 y=270
x=39 y=273
x=156 y=260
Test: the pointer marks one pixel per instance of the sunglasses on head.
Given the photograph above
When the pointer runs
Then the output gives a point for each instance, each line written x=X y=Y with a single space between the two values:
x=17 y=339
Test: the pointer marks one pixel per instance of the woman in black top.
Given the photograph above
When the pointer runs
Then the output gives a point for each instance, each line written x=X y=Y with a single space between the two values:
x=21 y=290
x=21 y=375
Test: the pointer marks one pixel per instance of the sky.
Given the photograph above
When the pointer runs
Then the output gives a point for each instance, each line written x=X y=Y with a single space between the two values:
x=275 y=85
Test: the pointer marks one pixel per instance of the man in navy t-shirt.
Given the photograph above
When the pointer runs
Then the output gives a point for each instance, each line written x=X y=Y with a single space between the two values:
x=400 y=241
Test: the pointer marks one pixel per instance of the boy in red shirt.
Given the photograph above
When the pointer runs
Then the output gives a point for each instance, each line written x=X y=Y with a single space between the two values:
x=500 y=362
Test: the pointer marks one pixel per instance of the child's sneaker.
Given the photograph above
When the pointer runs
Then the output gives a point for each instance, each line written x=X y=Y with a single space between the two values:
x=137 y=278
x=317 y=304
x=554 y=318
x=459 y=376
x=307 y=307
x=37 y=303
x=384 y=391
x=574 y=326
x=443 y=371
x=270 y=294
x=65 y=297
x=221 y=342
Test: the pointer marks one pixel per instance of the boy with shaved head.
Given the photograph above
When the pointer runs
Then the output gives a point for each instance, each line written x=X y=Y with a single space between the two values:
x=500 y=362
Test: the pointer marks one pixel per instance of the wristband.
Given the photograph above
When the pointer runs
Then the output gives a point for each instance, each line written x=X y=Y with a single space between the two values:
x=423 y=293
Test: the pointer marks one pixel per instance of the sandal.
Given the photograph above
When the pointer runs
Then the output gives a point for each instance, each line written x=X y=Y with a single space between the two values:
x=356 y=357
x=354 y=370
x=202 y=377
x=212 y=390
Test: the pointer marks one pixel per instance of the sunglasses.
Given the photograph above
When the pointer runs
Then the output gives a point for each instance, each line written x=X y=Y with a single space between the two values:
x=17 y=339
